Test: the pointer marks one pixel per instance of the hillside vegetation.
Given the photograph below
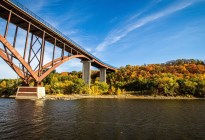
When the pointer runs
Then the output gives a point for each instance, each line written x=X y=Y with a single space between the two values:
x=180 y=77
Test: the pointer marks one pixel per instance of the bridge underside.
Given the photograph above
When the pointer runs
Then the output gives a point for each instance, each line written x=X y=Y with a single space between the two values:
x=28 y=21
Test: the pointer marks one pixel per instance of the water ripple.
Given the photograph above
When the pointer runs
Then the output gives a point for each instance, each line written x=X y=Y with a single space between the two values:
x=102 y=119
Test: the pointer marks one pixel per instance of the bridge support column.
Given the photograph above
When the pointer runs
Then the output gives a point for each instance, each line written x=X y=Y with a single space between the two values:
x=103 y=75
x=86 y=71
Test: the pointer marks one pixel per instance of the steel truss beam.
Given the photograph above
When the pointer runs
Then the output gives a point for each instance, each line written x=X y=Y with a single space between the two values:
x=32 y=74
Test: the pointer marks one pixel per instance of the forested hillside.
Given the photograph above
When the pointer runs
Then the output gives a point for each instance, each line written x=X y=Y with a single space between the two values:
x=180 y=77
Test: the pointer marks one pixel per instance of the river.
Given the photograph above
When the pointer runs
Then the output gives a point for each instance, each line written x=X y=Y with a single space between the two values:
x=105 y=119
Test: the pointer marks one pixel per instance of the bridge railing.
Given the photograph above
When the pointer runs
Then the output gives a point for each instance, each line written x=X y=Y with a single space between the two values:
x=55 y=30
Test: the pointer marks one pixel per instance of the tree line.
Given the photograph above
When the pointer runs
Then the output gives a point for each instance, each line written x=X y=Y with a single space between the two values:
x=179 y=77
x=184 y=77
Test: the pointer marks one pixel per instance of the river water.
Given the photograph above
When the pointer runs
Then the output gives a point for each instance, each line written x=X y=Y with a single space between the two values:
x=104 y=119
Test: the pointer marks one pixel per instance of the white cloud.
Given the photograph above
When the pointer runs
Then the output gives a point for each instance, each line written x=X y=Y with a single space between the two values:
x=118 y=33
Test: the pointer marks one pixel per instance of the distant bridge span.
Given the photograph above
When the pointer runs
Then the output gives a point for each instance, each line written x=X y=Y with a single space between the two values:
x=39 y=31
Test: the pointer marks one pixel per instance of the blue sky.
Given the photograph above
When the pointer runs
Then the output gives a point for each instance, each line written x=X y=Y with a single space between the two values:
x=122 y=32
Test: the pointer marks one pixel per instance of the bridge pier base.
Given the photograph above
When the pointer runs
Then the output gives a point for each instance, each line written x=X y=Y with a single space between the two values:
x=86 y=71
x=103 y=75
x=26 y=92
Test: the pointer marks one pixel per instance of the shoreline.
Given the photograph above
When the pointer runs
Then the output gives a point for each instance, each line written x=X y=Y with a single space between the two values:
x=126 y=96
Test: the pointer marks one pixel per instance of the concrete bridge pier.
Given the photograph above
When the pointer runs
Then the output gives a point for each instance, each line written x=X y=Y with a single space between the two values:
x=86 y=71
x=103 y=75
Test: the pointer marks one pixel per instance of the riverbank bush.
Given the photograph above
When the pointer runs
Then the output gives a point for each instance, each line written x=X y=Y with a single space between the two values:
x=99 y=88
x=8 y=87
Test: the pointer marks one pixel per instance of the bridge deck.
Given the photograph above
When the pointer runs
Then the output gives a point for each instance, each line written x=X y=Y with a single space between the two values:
x=21 y=17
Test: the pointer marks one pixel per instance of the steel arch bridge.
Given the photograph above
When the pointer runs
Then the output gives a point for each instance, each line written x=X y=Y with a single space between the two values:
x=39 y=31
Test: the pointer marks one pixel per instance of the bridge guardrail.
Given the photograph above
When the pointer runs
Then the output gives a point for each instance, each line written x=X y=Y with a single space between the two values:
x=21 y=6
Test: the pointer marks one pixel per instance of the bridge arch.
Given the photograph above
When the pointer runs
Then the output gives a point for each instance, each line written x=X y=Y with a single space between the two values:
x=10 y=52
x=59 y=61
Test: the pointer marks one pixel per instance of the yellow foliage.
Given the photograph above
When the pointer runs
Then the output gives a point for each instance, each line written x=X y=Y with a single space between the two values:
x=3 y=84
x=118 y=92
x=59 y=94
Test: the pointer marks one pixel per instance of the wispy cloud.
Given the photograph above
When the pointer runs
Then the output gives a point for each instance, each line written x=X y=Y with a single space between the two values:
x=120 y=32
x=39 y=5
x=190 y=30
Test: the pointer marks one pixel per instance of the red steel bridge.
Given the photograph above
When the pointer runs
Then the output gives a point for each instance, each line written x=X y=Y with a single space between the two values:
x=39 y=32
